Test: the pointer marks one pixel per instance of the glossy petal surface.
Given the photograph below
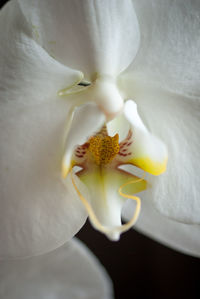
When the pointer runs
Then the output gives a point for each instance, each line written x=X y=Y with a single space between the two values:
x=68 y=272
x=29 y=75
x=38 y=213
x=90 y=35
x=170 y=41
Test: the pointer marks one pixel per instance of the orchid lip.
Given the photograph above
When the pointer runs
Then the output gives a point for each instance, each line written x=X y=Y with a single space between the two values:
x=112 y=232
x=100 y=157
x=97 y=161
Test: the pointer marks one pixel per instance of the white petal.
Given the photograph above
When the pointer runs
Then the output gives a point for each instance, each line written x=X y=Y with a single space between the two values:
x=148 y=152
x=38 y=214
x=87 y=120
x=179 y=236
x=169 y=50
x=176 y=120
x=93 y=36
x=27 y=71
x=70 y=272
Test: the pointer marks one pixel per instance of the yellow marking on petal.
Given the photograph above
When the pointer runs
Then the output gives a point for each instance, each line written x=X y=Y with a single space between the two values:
x=110 y=231
x=65 y=170
x=104 y=149
x=113 y=177
x=148 y=165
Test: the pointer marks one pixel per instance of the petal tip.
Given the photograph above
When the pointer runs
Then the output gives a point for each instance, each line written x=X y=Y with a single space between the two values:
x=113 y=236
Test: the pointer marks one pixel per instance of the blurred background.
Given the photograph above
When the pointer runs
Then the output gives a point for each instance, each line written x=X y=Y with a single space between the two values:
x=142 y=268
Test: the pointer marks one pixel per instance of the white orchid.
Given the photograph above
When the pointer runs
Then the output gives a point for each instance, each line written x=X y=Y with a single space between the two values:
x=72 y=76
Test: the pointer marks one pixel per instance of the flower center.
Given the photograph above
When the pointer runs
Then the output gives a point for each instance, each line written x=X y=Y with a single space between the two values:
x=103 y=148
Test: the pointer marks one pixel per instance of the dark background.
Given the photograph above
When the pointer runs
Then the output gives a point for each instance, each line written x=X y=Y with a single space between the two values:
x=142 y=268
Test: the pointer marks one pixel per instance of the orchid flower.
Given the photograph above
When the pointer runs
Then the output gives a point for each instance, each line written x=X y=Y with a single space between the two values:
x=58 y=274
x=102 y=86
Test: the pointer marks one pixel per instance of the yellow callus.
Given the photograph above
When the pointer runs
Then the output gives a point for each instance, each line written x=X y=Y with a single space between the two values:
x=104 y=148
